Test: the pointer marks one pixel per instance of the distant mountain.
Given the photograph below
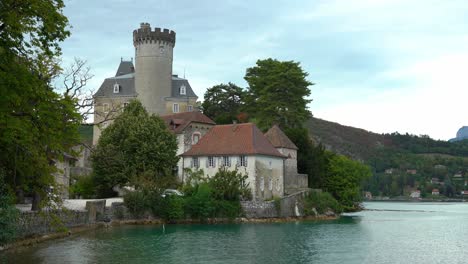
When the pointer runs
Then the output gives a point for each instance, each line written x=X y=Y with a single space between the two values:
x=461 y=134
x=353 y=142
x=363 y=145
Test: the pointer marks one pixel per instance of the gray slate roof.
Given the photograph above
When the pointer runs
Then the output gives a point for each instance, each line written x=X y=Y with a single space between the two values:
x=125 y=67
x=127 y=84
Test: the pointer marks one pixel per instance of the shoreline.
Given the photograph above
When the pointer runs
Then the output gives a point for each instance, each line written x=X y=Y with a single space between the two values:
x=76 y=231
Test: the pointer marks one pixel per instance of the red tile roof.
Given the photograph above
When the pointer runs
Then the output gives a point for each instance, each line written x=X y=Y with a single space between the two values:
x=235 y=139
x=178 y=122
x=278 y=139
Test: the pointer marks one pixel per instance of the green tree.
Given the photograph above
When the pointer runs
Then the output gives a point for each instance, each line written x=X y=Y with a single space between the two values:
x=344 y=180
x=37 y=124
x=135 y=144
x=277 y=93
x=223 y=102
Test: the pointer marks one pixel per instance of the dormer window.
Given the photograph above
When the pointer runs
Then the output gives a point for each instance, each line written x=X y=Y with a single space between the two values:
x=183 y=90
x=116 y=88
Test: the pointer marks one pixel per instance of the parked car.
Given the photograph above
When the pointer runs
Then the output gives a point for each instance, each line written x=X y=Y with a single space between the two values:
x=169 y=192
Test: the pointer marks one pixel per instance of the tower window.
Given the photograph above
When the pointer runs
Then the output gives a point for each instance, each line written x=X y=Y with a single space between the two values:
x=175 y=108
x=106 y=108
x=189 y=108
x=116 y=88
x=195 y=138
x=183 y=90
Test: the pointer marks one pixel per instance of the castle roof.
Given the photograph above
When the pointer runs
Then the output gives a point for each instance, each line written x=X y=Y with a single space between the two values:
x=278 y=139
x=235 y=139
x=125 y=78
x=178 y=122
x=125 y=67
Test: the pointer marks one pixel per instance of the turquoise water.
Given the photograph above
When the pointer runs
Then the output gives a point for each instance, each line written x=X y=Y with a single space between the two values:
x=388 y=233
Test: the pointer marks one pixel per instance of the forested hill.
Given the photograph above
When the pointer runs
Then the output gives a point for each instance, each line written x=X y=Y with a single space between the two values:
x=362 y=145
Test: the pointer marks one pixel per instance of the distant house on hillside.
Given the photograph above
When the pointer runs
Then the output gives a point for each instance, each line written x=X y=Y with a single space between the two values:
x=415 y=194
x=368 y=195
x=464 y=193
x=435 y=192
x=412 y=172
x=390 y=171
x=435 y=181
x=458 y=175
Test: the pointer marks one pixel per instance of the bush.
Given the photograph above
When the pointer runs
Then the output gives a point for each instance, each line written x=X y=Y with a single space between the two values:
x=230 y=185
x=136 y=203
x=172 y=208
x=83 y=187
x=322 y=202
x=200 y=204
x=230 y=209
x=8 y=213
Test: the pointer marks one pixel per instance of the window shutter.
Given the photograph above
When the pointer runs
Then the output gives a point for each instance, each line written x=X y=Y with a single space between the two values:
x=207 y=159
x=214 y=162
x=246 y=164
x=191 y=162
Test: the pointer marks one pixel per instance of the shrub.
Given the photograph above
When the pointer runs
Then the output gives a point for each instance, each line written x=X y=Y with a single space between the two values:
x=230 y=209
x=8 y=213
x=83 y=187
x=200 y=204
x=321 y=201
x=136 y=203
x=172 y=208
x=229 y=185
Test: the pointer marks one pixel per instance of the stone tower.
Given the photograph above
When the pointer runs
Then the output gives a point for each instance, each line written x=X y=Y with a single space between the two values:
x=153 y=75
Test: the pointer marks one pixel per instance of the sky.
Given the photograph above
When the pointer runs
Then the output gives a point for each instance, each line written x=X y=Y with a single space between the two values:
x=381 y=65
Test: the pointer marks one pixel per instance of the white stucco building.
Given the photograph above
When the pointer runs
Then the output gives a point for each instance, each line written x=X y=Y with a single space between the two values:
x=242 y=147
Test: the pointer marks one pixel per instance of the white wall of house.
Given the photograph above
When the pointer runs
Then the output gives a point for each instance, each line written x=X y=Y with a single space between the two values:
x=265 y=173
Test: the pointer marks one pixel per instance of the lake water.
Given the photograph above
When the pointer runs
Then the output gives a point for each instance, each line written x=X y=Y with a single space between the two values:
x=388 y=233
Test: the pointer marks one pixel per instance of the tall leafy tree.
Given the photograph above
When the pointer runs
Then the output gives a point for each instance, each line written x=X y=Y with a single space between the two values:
x=135 y=144
x=277 y=93
x=37 y=124
x=223 y=102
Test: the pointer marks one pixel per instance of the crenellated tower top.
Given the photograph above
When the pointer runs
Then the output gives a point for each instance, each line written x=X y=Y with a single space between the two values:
x=145 y=35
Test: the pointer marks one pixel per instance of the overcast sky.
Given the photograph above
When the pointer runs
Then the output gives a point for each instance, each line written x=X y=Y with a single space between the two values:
x=381 y=65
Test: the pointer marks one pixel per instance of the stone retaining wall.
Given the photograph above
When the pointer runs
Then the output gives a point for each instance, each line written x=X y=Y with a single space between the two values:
x=32 y=223
x=288 y=206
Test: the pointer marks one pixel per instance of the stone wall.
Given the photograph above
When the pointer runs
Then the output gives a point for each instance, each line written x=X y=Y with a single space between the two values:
x=288 y=206
x=32 y=223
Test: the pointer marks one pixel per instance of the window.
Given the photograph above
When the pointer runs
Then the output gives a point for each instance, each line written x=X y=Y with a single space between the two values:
x=116 y=88
x=270 y=184
x=262 y=184
x=183 y=90
x=195 y=163
x=242 y=161
x=106 y=108
x=211 y=162
x=175 y=108
x=189 y=108
x=195 y=138
x=227 y=161
x=161 y=49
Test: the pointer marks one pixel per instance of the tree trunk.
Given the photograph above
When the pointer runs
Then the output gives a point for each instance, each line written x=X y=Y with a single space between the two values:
x=19 y=196
x=36 y=201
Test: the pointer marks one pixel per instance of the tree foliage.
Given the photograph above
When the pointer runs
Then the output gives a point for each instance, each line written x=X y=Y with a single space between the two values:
x=277 y=93
x=344 y=180
x=135 y=144
x=37 y=124
x=223 y=102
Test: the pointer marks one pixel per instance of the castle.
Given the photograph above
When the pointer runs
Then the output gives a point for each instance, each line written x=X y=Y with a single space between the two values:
x=151 y=82
x=269 y=160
